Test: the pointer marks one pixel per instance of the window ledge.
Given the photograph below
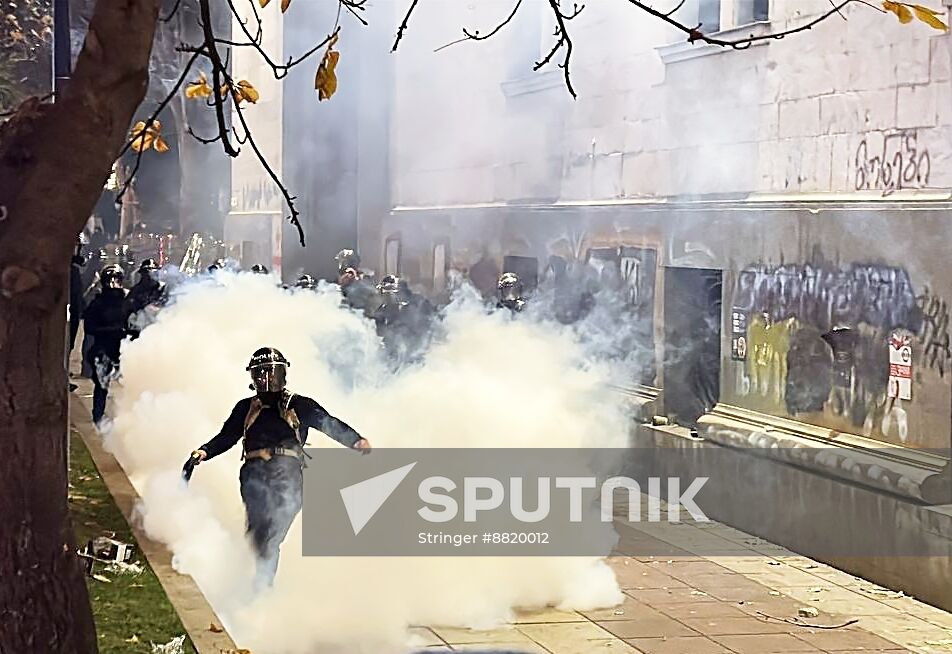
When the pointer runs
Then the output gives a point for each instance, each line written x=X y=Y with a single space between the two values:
x=533 y=83
x=683 y=50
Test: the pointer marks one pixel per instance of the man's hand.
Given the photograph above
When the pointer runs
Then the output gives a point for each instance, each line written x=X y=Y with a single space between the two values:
x=199 y=456
x=350 y=275
x=363 y=445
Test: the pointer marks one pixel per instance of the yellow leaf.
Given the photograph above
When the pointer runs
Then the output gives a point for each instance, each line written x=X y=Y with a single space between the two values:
x=215 y=629
x=326 y=79
x=263 y=3
x=199 y=88
x=160 y=145
x=902 y=11
x=930 y=17
x=247 y=91
x=284 y=5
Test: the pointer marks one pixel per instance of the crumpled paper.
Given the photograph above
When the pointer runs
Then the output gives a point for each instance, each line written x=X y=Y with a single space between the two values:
x=174 y=646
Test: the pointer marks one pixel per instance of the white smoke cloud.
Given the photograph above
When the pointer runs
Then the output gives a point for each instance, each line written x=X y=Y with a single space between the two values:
x=489 y=381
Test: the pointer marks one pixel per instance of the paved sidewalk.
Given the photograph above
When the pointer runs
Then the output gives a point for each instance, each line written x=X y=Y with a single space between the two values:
x=741 y=601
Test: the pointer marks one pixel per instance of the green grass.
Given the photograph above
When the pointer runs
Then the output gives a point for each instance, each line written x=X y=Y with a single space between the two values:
x=131 y=605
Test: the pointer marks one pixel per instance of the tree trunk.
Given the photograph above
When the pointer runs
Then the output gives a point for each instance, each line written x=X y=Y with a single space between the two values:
x=54 y=161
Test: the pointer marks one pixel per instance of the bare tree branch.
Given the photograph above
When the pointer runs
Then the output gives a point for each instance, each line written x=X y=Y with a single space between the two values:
x=563 y=41
x=403 y=25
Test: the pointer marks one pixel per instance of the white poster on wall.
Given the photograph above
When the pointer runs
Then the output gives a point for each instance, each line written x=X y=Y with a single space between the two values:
x=900 y=366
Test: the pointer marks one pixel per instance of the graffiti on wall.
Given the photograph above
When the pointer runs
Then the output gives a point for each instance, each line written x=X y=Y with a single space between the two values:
x=891 y=161
x=934 y=333
x=818 y=338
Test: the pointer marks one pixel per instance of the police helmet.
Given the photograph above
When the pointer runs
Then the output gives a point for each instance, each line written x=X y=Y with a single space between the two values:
x=509 y=286
x=268 y=369
x=258 y=269
x=112 y=276
x=305 y=281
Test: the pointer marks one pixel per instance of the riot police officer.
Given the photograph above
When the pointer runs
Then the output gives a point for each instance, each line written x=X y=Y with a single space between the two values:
x=273 y=425
x=148 y=290
x=258 y=269
x=306 y=282
x=358 y=289
x=509 y=292
x=106 y=322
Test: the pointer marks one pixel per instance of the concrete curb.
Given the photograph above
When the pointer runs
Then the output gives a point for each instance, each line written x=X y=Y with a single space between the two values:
x=189 y=602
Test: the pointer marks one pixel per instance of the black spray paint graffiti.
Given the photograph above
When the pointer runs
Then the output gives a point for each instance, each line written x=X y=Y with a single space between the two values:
x=826 y=296
x=934 y=332
x=795 y=307
x=899 y=163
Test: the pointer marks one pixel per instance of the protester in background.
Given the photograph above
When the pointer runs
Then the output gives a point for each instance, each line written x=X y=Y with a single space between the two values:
x=106 y=322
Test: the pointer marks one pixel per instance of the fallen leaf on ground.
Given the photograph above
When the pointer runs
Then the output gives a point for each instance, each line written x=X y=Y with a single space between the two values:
x=214 y=628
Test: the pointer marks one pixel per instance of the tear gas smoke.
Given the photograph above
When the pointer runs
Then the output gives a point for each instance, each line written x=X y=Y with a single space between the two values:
x=488 y=381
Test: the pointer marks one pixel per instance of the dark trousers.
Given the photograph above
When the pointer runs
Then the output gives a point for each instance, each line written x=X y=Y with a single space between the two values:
x=104 y=369
x=273 y=493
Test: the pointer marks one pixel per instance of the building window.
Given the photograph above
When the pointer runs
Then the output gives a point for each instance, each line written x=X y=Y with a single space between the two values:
x=709 y=15
x=391 y=256
x=720 y=15
x=751 y=11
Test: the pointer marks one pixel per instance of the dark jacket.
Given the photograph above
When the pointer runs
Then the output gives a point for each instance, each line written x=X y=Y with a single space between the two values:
x=271 y=430
x=146 y=292
x=105 y=320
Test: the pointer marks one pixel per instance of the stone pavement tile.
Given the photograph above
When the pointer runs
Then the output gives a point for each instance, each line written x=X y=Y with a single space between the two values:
x=461 y=636
x=854 y=608
x=736 y=626
x=702 y=610
x=742 y=564
x=787 y=576
x=654 y=625
x=558 y=637
x=546 y=615
x=764 y=644
x=906 y=631
x=423 y=637
x=678 y=645
x=688 y=570
x=776 y=606
x=601 y=646
x=520 y=646
x=678 y=595
x=629 y=608
x=848 y=639
x=735 y=590
x=647 y=579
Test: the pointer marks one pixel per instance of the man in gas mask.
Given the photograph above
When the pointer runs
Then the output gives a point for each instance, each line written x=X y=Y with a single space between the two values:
x=509 y=292
x=106 y=322
x=357 y=288
x=148 y=290
x=273 y=425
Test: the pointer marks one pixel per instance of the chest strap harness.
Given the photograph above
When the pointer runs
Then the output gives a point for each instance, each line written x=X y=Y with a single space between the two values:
x=288 y=415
